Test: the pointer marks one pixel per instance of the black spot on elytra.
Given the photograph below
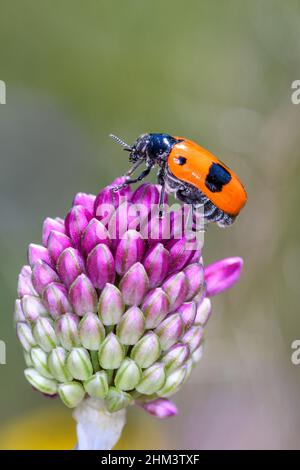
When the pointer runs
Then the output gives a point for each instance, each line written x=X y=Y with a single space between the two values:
x=217 y=177
x=181 y=160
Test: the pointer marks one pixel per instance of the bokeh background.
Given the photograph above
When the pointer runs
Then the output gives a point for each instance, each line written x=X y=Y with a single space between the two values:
x=214 y=71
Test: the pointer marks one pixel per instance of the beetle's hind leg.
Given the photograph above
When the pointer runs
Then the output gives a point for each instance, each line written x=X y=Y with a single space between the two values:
x=134 y=180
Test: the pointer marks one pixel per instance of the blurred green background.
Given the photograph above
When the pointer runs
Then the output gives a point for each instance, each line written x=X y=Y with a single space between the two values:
x=219 y=72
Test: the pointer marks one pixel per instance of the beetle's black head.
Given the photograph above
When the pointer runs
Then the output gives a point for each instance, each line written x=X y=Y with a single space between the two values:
x=154 y=147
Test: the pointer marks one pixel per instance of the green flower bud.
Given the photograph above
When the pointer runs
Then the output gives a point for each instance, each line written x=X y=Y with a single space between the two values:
x=173 y=382
x=111 y=353
x=152 y=380
x=131 y=326
x=111 y=305
x=27 y=357
x=176 y=356
x=71 y=393
x=39 y=361
x=79 y=364
x=43 y=384
x=44 y=334
x=146 y=351
x=128 y=375
x=25 y=336
x=116 y=400
x=97 y=385
x=197 y=354
x=91 y=332
x=67 y=331
x=57 y=365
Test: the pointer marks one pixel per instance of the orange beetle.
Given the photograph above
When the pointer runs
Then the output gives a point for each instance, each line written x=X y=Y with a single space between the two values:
x=189 y=171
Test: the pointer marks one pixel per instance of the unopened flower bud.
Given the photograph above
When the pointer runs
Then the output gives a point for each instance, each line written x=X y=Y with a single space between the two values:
x=134 y=284
x=49 y=225
x=203 y=311
x=94 y=234
x=173 y=382
x=176 y=356
x=155 y=307
x=146 y=351
x=69 y=265
x=71 y=393
x=100 y=266
x=111 y=352
x=128 y=375
x=25 y=336
x=42 y=275
x=194 y=274
x=79 y=364
x=111 y=305
x=44 y=334
x=97 y=385
x=156 y=263
x=197 y=354
x=33 y=307
x=176 y=287
x=131 y=326
x=41 y=383
x=188 y=313
x=193 y=337
x=161 y=408
x=91 y=332
x=39 y=361
x=55 y=297
x=83 y=295
x=76 y=221
x=57 y=243
x=57 y=365
x=129 y=250
x=117 y=399
x=67 y=331
x=169 y=331
x=25 y=286
x=37 y=253
x=152 y=379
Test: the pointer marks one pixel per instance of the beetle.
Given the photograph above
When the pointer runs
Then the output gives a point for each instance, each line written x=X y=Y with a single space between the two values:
x=193 y=174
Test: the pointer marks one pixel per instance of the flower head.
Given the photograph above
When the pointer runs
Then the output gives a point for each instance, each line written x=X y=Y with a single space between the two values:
x=114 y=302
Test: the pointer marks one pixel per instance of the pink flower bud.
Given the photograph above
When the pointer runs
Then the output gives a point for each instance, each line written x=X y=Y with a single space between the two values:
x=57 y=243
x=188 y=313
x=25 y=286
x=176 y=287
x=94 y=233
x=83 y=295
x=156 y=263
x=129 y=250
x=42 y=275
x=161 y=408
x=85 y=200
x=111 y=305
x=69 y=265
x=76 y=221
x=195 y=277
x=222 y=274
x=55 y=297
x=179 y=254
x=155 y=307
x=193 y=337
x=51 y=224
x=37 y=253
x=169 y=331
x=134 y=284
x=101 y=266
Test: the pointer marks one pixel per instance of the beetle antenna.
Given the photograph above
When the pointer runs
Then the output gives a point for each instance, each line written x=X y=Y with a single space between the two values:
x=120 y=142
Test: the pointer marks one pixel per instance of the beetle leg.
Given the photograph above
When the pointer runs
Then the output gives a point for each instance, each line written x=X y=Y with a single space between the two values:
x=161 y=178
x=135 y=180
x=133 y=168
